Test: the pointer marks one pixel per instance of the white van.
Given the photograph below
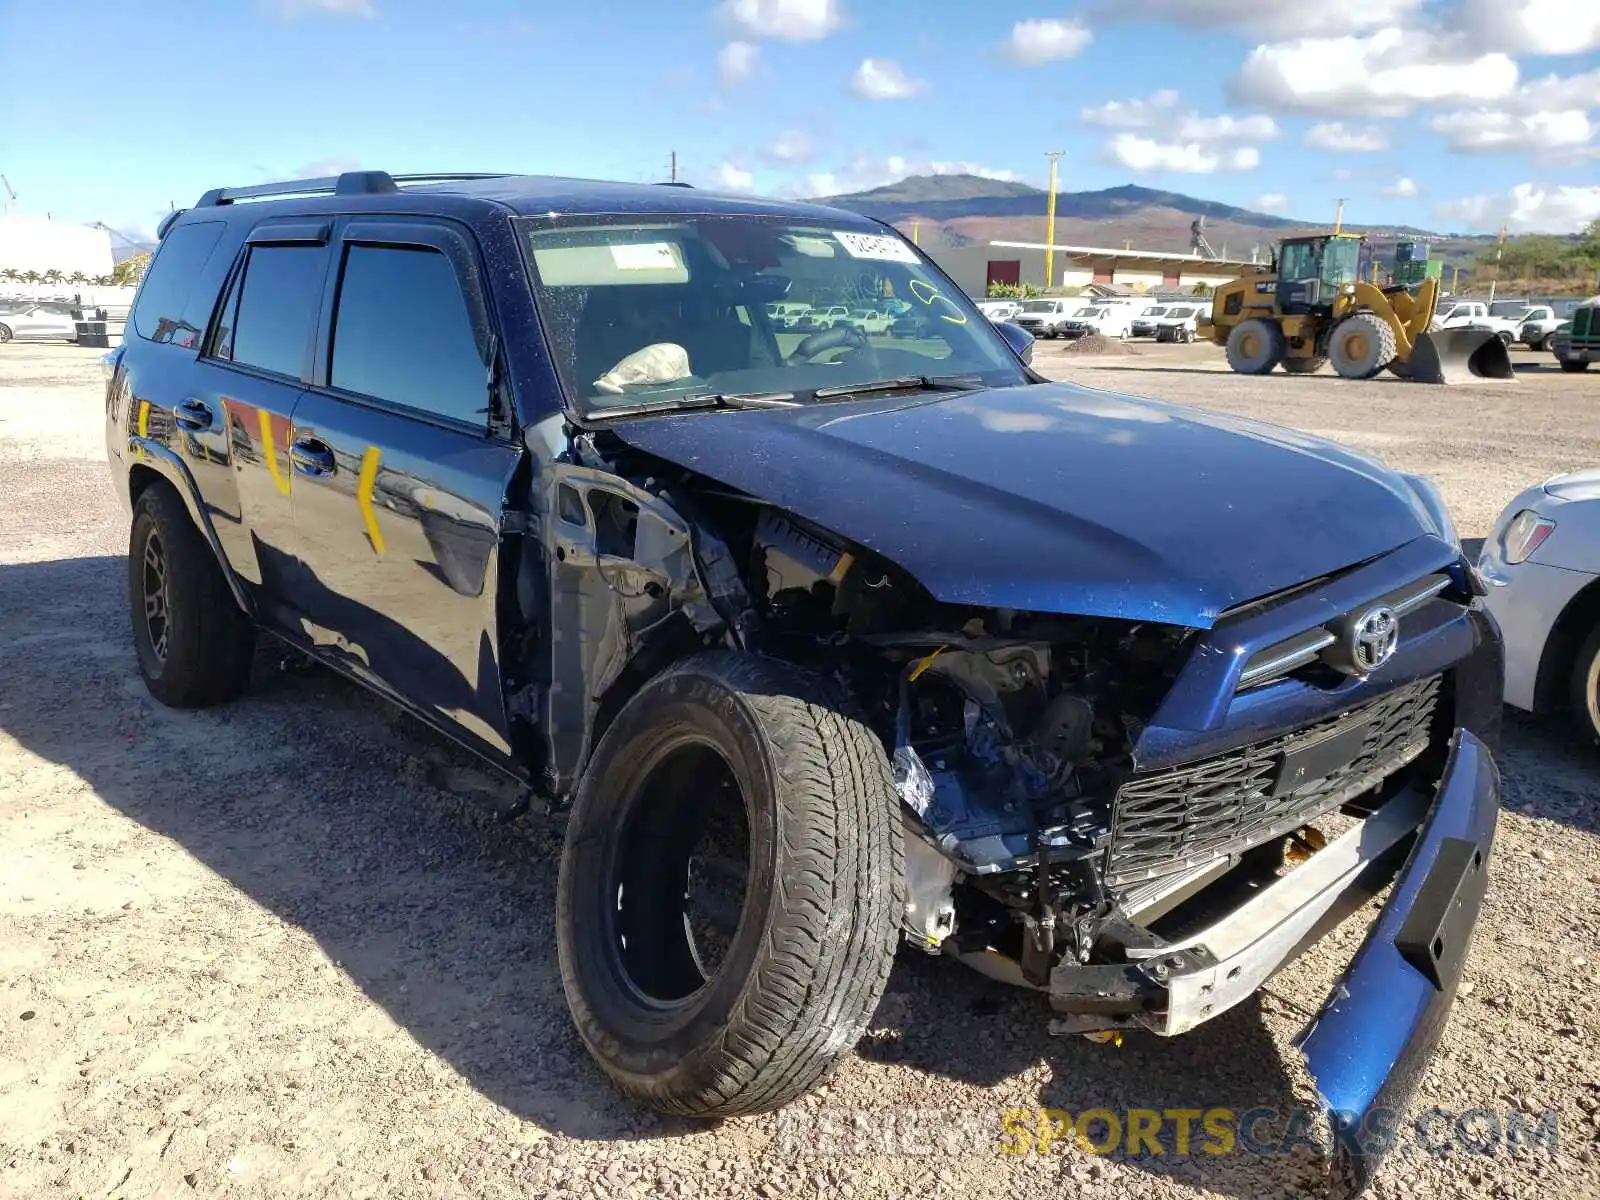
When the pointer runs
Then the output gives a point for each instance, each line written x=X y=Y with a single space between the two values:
x=1108 y=318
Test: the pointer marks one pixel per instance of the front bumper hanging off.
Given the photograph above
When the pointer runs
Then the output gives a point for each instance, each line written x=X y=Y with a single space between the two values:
x=1372 y=1039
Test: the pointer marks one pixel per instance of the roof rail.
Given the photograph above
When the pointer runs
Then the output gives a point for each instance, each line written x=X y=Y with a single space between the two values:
x=350 y=183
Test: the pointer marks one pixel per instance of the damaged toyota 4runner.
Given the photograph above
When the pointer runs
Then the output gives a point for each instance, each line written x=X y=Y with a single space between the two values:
x=829 y=641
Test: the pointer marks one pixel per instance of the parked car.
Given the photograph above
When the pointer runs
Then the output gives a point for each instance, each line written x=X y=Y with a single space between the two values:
x=1046 y=318
x=1535 y=325
x=1576 y=343
x=1000 y=310
x=812 y=668
x=1180 y=323
x=869 y=320
x=36 y=323
x=1108 y=320
x=1144 y=325
x=786 y=314
x=1473 y=314
x=1542 y=561
x=824 y=316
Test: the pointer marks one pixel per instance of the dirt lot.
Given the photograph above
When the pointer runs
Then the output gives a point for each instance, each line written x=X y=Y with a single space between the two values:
x=282 y=948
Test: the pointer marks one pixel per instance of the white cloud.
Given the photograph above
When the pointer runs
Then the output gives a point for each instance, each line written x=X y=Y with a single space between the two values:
x=1491 y=129
x=734 y=178
x=736 y=62
x=290 y=9
x=882 y=79
x=790 y=146
x=1386 y=73
x=1193 y=158
x=1528 y=207
x=968 y=168
x=1531 y=26
x=1404 y=187
x=1272 y=23
x=1038 y=41
x=1133 y=114
x=1254 y=128
x=1271 y=202
x=784 y=20
x=1553 y=93
x=1339 y=138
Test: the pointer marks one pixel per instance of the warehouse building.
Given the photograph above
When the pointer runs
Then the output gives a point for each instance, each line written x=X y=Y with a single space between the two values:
x=40 y=244
x=976 y=267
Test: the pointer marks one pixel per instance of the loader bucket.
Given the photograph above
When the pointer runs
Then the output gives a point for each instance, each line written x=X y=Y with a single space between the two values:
x=1459 y=356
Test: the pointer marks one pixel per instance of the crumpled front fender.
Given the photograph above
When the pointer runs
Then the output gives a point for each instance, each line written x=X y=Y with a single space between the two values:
x=1371 y=1042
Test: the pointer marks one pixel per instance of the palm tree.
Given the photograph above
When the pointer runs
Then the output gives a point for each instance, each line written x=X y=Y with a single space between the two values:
x=102 y=281
x=11 y=275
x=1200 y=289
x=30 y=277
x=77 y=277
x=51 y=276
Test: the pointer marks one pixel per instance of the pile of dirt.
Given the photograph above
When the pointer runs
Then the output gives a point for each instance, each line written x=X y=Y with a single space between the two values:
x=1094 y=343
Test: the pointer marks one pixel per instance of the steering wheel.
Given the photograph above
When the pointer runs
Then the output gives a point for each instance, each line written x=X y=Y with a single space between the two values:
x=814 y=344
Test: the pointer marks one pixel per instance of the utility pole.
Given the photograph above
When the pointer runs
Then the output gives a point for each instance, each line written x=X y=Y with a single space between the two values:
x=1499 y=248
x=916 y=233
x=1050 y=224
x=672 y=166
x=1338 y=216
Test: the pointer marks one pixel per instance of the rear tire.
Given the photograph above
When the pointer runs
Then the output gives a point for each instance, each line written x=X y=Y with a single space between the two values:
x=1568 y=365
x=809 y=945
x=1584 y=688
x=5 y=334
x=193 y=643
x=1255 y=347
x=1304 y=366
x=1361 y=345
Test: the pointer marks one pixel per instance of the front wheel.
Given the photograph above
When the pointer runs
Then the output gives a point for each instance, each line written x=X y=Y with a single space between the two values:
x=1584 y=694
x=1361 y=345
x=731 y=888
x=5 y=334
x=1570 y=364
x=1255 y=347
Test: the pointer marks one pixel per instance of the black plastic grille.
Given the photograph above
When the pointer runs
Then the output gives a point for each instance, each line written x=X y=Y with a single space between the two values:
x=1169 y=823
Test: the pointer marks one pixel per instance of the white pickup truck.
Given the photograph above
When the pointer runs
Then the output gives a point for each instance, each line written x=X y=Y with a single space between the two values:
x=1474 y=314
x=1536 y=324
x=1108 y=320
x=1045 y=318
x=868 y=320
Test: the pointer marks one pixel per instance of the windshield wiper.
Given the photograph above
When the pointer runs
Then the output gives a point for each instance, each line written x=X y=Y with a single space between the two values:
x=924 y=383
x=666 y=404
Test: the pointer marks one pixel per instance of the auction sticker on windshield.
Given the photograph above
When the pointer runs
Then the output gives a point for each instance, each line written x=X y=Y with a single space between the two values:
x=876 y=246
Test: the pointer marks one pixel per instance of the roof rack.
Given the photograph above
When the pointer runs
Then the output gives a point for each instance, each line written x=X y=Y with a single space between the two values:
x=349 y=183
x=674 y=183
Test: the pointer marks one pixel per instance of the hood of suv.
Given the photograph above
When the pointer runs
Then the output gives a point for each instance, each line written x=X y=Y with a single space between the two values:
x=1058 y=498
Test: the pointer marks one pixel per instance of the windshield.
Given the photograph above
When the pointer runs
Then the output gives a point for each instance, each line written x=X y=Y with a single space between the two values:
x=649 y=310
x=1507 y=308
x=1157 y=311
x=1341 y=261
x=1087 y=312
x=1180 y=312
x=1039 y=306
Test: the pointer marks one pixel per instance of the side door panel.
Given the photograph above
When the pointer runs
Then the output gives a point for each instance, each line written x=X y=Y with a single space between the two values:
x=399 y=508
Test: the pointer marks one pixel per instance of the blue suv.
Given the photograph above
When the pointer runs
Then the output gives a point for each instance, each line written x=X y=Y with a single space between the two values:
x=828 y=640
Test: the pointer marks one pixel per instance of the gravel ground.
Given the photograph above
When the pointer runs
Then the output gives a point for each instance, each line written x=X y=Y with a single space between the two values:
x=282 y=948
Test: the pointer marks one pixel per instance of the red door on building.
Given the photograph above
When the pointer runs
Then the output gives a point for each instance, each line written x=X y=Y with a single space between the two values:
x=1008 y=271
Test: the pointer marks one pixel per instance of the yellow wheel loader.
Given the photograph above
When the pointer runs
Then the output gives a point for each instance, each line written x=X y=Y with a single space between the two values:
x=1311 y=307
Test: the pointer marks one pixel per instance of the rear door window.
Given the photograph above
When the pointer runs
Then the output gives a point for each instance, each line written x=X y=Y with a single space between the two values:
x=270 y=325
x=402 y=333
x=158 y=313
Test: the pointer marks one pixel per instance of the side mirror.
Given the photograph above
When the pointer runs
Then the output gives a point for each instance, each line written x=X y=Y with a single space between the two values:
x=1018 y=338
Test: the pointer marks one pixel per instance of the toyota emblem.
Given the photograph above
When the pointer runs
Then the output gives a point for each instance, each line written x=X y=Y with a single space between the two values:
x=1372 y=639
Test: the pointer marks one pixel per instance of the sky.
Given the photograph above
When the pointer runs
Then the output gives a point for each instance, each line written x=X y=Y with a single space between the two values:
x=1454 y=115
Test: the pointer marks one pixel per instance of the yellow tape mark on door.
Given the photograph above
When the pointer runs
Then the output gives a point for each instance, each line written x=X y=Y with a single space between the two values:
x=144 y=424
x=364 y=485
x=271 y=451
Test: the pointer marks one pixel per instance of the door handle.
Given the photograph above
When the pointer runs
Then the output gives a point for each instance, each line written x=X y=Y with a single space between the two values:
x=311 y=456
x=193 y=415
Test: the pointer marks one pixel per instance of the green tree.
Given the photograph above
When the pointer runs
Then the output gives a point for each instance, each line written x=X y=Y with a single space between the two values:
x=77 y=277
x=51 y=276
x=1011 y=291
x=11 y=275
x=30 y=277
x=1200 y=289
x=130 y=270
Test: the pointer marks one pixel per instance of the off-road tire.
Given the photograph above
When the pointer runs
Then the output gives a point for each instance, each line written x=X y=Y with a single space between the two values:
x=1255 y=347
x=823 y=898
x=209 y=642
x=1583 y=697
x=1304 y=366
x=1361 y=345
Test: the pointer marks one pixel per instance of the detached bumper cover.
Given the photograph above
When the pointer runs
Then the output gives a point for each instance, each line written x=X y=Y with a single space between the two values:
x=1371 y=1043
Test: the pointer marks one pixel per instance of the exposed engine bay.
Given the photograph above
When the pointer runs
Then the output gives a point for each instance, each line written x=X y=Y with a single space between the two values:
x=1009 y=732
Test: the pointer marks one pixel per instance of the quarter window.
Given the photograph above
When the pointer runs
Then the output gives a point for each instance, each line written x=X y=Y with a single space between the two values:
x=279 y=296
x=158 y=313
x=402 y=333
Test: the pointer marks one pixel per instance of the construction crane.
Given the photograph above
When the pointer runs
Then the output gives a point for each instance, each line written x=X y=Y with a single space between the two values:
x=1197 y=238
x=133 y=244
x=11 y=192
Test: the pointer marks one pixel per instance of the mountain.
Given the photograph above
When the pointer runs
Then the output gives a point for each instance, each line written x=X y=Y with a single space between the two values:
x=951 y=197
x=957 y=210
